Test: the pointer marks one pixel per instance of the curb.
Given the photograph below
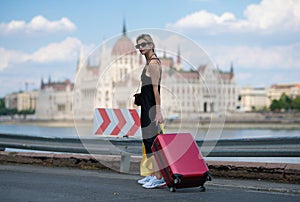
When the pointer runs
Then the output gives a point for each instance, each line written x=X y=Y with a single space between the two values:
x=277 y=172
x=270 y=189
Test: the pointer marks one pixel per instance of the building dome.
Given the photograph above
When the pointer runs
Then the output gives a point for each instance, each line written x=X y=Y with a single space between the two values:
x=124 y=46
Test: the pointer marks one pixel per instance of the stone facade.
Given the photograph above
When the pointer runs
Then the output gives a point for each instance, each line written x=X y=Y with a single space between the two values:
x=22 y=101
x=55 y=101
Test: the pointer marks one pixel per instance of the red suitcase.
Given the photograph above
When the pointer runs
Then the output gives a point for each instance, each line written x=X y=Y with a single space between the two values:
x=180 y=161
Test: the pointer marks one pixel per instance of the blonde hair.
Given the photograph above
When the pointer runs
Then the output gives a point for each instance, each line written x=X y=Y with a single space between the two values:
x=147 y=38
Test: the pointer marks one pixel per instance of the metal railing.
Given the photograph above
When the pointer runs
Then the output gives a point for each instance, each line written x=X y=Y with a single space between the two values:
x=125 y=147
x=254 y=147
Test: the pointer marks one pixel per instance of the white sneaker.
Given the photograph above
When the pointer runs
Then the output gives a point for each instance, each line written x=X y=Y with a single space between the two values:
x=145 y=179
x=154 y=183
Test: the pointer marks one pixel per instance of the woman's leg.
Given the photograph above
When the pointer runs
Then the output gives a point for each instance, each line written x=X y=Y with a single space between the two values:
x=155 y=169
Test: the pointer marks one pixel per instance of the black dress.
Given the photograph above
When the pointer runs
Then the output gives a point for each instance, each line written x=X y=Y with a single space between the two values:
x=148 y=110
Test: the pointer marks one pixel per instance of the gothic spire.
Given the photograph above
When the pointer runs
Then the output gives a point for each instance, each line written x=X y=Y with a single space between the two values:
x=178 y=56
x=42 y=83
x=124 y=27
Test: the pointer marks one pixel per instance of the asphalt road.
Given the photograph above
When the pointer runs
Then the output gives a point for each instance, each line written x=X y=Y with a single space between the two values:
x=35 y=183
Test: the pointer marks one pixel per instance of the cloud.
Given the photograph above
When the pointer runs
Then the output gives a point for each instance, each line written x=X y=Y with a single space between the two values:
x=284 y=57
x=203 y=19
x=273 y=15
x=66 y=50
x=266 y=17
x=10 y=57
x=38 y=24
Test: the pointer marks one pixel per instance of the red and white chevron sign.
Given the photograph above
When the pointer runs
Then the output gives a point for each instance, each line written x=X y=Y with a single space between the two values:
x=117 y=122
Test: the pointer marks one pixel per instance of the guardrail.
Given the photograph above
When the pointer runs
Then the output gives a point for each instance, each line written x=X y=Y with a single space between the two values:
x=125 y=147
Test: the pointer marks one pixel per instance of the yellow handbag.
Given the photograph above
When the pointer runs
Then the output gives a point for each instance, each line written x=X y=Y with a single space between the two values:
x=146 y=163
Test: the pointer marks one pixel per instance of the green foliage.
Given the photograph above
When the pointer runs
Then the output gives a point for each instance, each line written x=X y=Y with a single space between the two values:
x=27 y=111
x=285 y=103
x=296 y=103
x=275 y=105
x=2 y=103
x=4 y=111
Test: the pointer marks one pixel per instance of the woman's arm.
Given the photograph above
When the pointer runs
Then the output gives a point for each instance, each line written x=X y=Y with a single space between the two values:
x=154 y=70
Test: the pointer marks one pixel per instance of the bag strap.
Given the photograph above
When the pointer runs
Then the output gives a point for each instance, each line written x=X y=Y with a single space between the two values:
x=137 y=90
x=156 y=58
x=161 y=128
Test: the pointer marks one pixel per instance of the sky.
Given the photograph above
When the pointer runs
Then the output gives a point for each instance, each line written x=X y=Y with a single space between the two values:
x=42 y=39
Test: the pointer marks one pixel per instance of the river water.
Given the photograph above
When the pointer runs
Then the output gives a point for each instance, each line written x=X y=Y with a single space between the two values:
x=71 y=132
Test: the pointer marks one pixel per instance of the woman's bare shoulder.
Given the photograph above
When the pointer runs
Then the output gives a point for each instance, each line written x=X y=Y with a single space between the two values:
x=154 y=62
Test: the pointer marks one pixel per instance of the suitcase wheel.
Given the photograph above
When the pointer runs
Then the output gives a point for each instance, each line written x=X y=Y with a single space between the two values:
x=202 y=189
x=177 y=178
x=177 y=181
x=172 y=189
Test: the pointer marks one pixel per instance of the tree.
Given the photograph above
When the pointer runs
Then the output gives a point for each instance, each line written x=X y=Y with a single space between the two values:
x=3 y=110
x=285 y=102
x=296 y=103
x=275 y=105
x=2 y=103
x=26 y=112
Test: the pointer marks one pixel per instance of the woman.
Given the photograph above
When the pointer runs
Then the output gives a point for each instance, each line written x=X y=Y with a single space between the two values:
x=151 y=114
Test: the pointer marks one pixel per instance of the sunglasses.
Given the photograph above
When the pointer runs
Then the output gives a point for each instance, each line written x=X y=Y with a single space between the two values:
x=142 y=45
